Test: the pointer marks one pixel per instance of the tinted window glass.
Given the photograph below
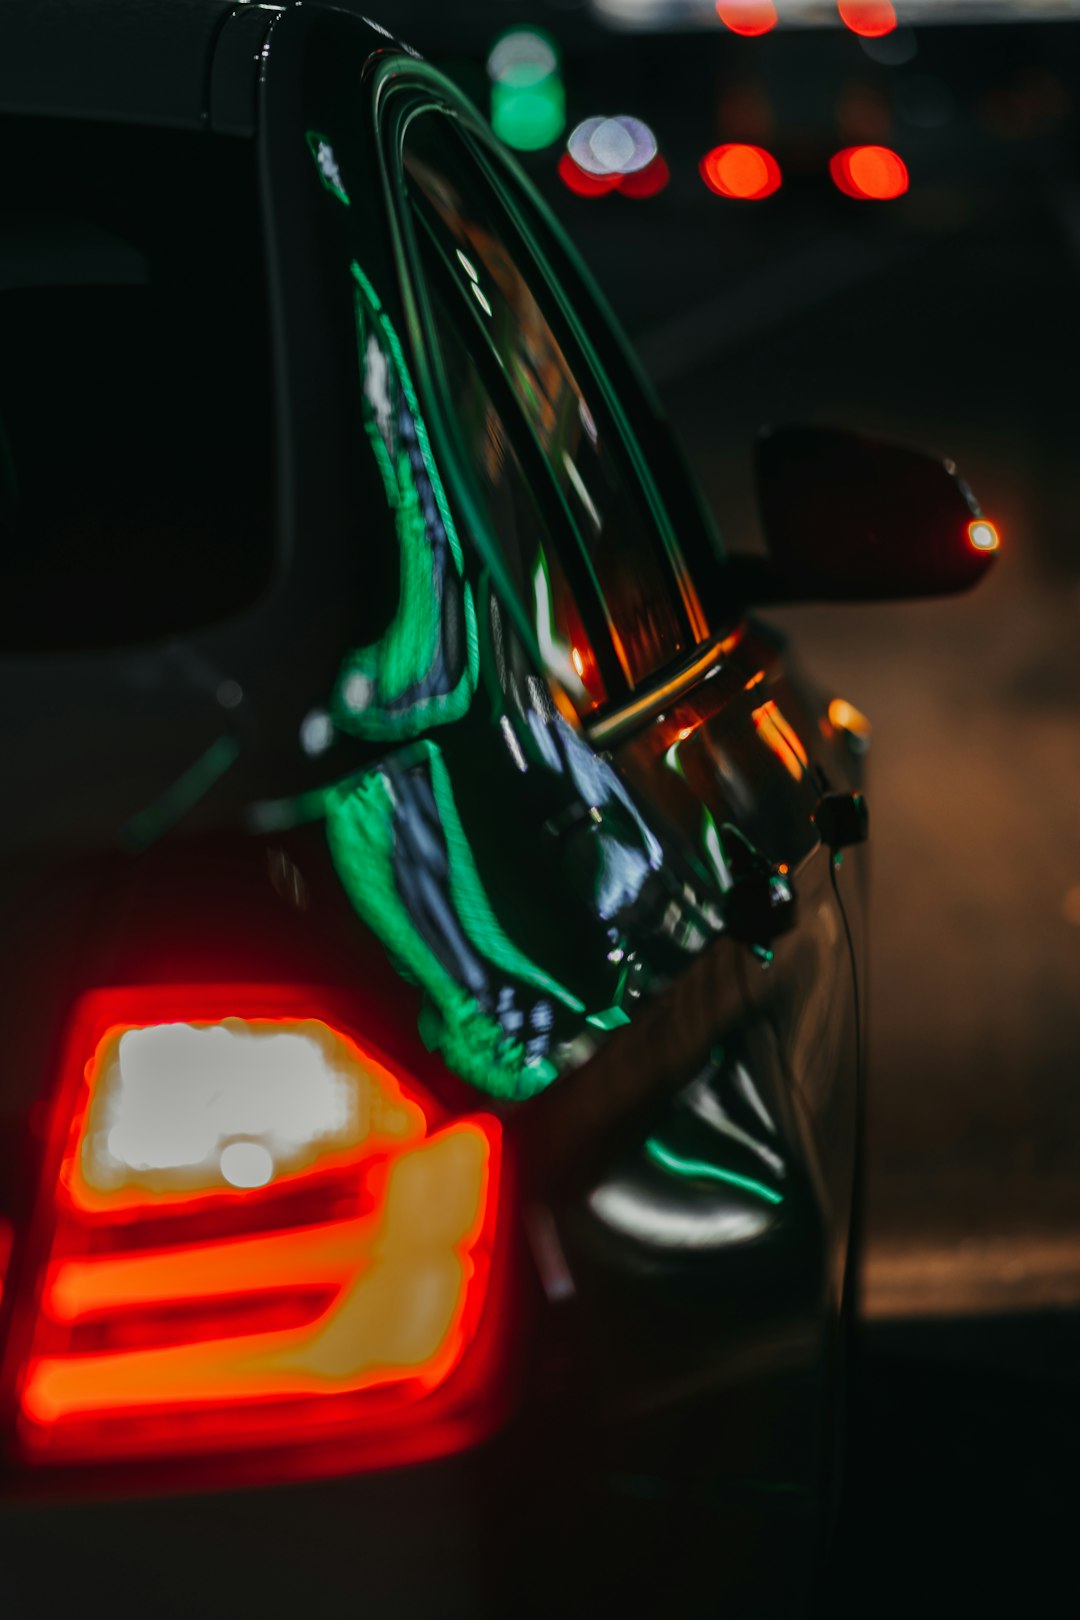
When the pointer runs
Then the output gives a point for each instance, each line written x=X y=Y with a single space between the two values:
x=535 y=566
x=134 y=389
x=500 y=305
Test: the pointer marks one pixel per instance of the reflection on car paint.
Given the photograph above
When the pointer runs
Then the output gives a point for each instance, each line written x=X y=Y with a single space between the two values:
x=423 y=670
x=781 y=738
x=403 y=855
x=648 y=1214
x=709 y=1174
x=327 y=165
x=702 y=1170
x=500 y=1019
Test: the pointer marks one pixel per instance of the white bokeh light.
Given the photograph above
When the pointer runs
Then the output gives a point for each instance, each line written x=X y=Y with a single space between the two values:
x=620 y=145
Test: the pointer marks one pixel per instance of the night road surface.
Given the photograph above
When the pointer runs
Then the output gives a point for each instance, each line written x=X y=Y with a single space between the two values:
x=962 y=1493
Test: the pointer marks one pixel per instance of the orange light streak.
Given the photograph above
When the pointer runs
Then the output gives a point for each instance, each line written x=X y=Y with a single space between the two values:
x=844 y=716
x=781 y=738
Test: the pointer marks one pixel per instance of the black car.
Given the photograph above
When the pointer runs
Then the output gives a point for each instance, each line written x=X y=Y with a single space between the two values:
x=433 y=904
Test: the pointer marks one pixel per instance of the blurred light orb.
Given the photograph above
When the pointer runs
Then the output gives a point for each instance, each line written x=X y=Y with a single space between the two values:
x=869 y=173
x=316 y=732
x=746 y=172
x=646 y=182
x=891 y=50
x=528 y=102
x=747 y=17
x=583 y=184
x=869 y=18
x=522 y=57
x=983 y=535
x=619 y=145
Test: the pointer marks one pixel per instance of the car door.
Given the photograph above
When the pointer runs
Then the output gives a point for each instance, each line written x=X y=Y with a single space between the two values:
x=577 y=752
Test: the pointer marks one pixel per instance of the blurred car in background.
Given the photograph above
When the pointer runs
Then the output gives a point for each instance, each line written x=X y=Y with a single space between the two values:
x=431 y=986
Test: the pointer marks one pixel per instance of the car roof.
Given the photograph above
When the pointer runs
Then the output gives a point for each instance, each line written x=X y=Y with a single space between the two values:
x=141 y=61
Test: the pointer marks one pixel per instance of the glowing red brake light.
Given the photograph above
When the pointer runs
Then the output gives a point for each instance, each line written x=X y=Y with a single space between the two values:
x=735 y=170
x=870 y=18
x=748 y=17
x=260 y=1234
x=870 y=173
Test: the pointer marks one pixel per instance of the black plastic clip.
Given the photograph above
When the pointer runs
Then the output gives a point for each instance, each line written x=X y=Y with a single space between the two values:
x=842 y=819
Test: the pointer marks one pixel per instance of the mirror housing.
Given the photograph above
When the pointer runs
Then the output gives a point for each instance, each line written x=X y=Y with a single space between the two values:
x=849 y=518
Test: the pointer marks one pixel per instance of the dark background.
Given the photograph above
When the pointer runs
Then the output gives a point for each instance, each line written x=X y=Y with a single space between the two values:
x=948 y=319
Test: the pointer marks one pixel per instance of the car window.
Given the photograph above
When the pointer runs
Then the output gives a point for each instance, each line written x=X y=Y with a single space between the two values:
x=136 y=483
x=493 y=299
x=525 y=533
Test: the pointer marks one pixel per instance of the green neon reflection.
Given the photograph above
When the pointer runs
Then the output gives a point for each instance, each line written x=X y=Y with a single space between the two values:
x=399 y=686
x=714 y=849
x=327 y=165
x=672 y=760
x=694 y=1169
x=610 y=1018
x=360 y=818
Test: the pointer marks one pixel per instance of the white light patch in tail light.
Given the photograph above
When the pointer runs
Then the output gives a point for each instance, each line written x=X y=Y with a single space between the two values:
x=182 y=1107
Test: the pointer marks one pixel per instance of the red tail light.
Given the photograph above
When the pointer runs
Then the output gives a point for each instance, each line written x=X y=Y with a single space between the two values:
x=258 y=1233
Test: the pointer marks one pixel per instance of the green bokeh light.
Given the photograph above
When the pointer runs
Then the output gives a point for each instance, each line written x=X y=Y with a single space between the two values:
x=528 y=119
x=528 y=103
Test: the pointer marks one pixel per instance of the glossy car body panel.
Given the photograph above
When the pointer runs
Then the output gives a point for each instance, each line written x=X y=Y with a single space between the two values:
x=519 y=906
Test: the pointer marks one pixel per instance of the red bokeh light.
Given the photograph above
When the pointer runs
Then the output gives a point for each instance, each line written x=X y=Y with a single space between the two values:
x=646 y=182
x=582 y=184
x=870 y=173
x=869 y=18
x=748 y=17
x=746 y=172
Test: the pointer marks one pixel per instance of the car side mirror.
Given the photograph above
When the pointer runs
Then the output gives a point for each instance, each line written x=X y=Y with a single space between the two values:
x=849 y=518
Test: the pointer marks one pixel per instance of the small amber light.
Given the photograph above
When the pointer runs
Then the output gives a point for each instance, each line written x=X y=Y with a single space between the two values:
x=748 y=17
x=746 y=172
x=844 y=716
x=983 y=535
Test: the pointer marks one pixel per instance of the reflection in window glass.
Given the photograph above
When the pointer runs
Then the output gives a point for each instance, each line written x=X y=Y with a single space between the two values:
x=558 y=400
x=533 y=561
